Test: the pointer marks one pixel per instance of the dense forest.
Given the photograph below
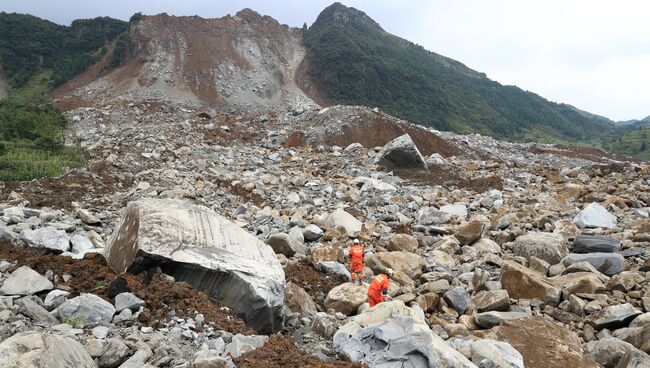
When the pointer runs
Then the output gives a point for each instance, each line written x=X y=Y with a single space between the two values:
x=35 y=56
x=354 y=61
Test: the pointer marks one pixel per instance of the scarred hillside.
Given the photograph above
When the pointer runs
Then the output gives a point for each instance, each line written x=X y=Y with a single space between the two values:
x=244 y=60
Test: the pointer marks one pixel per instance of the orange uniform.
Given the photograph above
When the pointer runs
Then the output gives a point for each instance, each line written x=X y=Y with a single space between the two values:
x=378 y=289
x=357 y=254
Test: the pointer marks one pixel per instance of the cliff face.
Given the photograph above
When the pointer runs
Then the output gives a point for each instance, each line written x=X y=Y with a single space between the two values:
x=245 y=60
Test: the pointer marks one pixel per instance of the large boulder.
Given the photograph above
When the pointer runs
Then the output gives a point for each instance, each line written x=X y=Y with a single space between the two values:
x=402 y=242
x=634 y=359
x=401 y=153
x=48 y=237
x=346 y=298
x=343 y=219
x=543 y=343
x=608 y=263
x=432 y=216
x=398 y=342
x=578 y=282
x=595 y=244
x=407 y=266
x=546 y=246
x=196 y=245
x=471 y=232
x=523 y=283
x=88 y=307
x=285 y=244
x=608 y=351
x=25 y=281
x=297 y=299
x=614 y=316
x=595 y=215
x=38 y=350
x=498 y=353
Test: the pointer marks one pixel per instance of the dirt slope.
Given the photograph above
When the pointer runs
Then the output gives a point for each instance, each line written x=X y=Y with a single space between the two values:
x=243 y=60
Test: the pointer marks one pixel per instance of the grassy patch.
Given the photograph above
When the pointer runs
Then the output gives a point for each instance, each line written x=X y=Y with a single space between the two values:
x=26 y=161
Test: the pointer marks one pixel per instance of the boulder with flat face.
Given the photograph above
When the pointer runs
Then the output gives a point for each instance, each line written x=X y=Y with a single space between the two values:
x=522 y=282
x=25 y=281
x=608 y=263
x=545 y=246
x=401 y=153
x=196 y=245
x=595 y=244
x=40 y=350
x=595 y=215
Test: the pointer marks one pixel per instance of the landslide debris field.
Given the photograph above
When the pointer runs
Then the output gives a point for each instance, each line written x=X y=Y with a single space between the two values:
x=233 y=217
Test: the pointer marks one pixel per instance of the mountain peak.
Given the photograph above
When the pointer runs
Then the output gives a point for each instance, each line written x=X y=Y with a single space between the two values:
x=339 y=13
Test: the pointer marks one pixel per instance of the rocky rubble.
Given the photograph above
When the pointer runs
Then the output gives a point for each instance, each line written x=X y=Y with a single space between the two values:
x=504 y=254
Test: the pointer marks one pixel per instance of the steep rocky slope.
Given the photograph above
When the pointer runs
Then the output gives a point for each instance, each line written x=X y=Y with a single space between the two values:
x=243 y=60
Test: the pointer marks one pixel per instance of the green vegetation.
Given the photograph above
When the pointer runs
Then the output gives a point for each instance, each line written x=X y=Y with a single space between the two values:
x=32 y=137
x=632 y=141
x=35 y=56
x=354 y=61
x=78 y=322
x=30 y=45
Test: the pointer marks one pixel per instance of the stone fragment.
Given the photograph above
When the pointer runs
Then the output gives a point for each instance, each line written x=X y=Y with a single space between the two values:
x=25 y=281
x=524 y=283
x=86 y=308
x=595 y=215
x=595 y=244
x=40 y=350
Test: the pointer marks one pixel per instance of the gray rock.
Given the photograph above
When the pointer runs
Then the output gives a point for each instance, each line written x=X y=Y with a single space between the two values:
x=634 y=359
x=128 y=301
x=595 y=215
x=81 y=244
x=205 y=250
x=87 y=217
x=47 y=237
x=343 y=219
x=124 y=316
x=112 y=354
x=297 y=234
x=546 y=246
x=312 y=232
x=491 y=319
x=25 y=281
x=458 y=299
x=595 y=244
x=285 y=244
x=608 y=263
x=324 y=325
x=100 y=332
x=241 y=344
x=31 y=307
x=39 y=350
x=613 y=316
x=346 y=298
x=88 y=308
x=500 y=354
x=608 y=351
x=492 y=300
x=333 y=268
x=398 y=342
x=55 y=298
x=401 y=153
x=142 y=354
x=432 y=216
x=458 y=210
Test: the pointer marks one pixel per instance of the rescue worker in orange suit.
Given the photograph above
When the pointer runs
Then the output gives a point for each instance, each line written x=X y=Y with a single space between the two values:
x=357 y=258
x=378 y=290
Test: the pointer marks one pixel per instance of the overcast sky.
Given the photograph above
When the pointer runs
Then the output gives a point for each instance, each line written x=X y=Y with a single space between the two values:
x=592 y=54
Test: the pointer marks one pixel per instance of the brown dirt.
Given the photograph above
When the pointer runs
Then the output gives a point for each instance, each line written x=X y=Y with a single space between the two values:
x=280 y=352
x=315 y=283
x=93 y=275
x=59 y=192
x=447 y=175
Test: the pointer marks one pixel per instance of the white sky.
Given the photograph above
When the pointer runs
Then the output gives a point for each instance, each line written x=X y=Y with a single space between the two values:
x=593 y=54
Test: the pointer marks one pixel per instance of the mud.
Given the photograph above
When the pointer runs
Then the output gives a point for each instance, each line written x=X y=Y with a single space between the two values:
x=162 y=295
x=59 y=192
x=448 y=176
x=280 y=352
x=315 y=283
